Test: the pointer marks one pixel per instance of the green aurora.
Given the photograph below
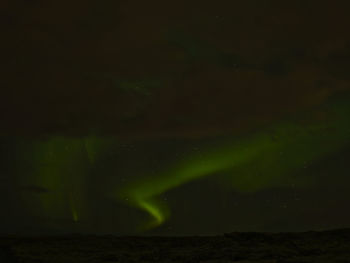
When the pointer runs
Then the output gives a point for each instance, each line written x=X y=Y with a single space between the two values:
x=61 y=166
x=270 y=157
x=267 y=158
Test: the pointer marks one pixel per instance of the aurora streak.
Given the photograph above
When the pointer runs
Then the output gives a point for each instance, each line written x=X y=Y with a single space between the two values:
x=267 y=158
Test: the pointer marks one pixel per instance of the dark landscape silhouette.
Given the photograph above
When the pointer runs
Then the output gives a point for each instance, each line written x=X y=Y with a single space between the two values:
x=302 y=247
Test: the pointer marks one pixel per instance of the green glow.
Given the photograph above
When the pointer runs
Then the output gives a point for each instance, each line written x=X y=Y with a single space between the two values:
x=156 y=210
x=268 y=158
x=74 y=211
x=60 y=165
x=153 y=210
x=75 y=215
x=141 y=87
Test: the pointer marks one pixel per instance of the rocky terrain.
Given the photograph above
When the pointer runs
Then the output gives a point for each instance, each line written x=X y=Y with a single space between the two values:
x=328 y=246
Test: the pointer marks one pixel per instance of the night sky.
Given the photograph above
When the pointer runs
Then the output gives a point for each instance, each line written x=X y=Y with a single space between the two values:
x=174 y=117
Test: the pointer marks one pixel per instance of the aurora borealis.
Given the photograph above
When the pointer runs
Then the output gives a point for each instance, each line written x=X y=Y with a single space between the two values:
x=184 y=118
x=299 y=144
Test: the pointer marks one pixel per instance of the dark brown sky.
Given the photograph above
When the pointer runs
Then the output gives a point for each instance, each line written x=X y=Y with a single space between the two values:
x=151 y=68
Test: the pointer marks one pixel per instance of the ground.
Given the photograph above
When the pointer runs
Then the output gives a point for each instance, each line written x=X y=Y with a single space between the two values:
x=328 y=246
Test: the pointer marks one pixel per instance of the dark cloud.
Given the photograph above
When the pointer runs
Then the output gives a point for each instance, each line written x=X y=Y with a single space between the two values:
x=153 y=68
x=35 y=189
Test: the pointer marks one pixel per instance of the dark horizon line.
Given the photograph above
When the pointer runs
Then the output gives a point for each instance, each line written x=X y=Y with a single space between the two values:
x=227 y=234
